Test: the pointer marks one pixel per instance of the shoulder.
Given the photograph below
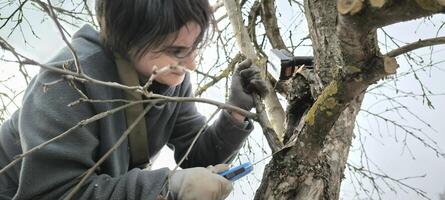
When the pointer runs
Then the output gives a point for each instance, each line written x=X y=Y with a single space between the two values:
x=94 y=60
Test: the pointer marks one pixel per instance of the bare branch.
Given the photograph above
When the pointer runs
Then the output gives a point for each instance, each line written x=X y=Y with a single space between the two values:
x=373 y=175
x=90 y=13
x=189 y=149
x=217 y=5
x=251 y=27
x=71 y=130
x=13 y=13
x=224 y=74
x=121 y=139
x=194 y=140
x=51 y=13
x=77 y=16
x=416 y=45
x=269 y=18
x=409 y=132
x=276 y=112
x=209 y=101
x=383 y=13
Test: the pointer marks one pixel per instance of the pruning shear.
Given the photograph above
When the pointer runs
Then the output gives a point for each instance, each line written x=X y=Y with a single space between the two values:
x=240 y=171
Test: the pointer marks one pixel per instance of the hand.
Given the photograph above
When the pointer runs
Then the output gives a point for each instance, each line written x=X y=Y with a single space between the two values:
x=245 y=81
x=200 y=183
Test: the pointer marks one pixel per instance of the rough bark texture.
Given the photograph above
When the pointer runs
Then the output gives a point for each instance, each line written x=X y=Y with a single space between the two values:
x=348 y=60
x=314 y=173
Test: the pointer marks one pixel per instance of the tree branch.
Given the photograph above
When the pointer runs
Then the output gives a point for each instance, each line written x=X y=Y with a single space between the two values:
x=269 y=19
x=224 y=74
x=108 y=153
x=201 y=130
x=80 y=124
x=372 y=176
x=416 y=45
x=90 y=13
x=251 y=27
x=275 y=110
x=381 y=13
x=13 y=13
x=51 y=13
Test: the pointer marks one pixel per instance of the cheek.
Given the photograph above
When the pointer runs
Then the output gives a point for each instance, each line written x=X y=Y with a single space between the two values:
x=146 y=64
x=144 y=67
x=191 y=65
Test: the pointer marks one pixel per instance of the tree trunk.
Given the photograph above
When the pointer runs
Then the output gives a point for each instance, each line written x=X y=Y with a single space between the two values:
x=288 y=176
x=300 y=173
x=347 y=60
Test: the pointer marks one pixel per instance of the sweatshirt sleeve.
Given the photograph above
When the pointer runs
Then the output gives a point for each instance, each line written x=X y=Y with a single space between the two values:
x=217 y=143
x=52 y=171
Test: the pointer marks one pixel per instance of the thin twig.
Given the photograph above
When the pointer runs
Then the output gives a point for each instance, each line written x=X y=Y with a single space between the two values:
x=108 y=153
x=189 y=149
x=80 y=124
x=370 y=175
x=246 y=47
x=195 y=139
x=51 y=13
x=13 y=13
x=224 y=74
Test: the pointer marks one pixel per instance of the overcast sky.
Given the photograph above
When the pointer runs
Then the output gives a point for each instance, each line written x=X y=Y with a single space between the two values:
x=384 y=144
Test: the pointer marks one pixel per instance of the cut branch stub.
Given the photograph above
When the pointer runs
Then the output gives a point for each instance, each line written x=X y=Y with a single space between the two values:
x=377 y=3
x=390 y=65
x=349 y=6
x=431 y=5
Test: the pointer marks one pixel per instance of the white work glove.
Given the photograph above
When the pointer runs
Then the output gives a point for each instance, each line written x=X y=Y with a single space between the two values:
x=200 y=183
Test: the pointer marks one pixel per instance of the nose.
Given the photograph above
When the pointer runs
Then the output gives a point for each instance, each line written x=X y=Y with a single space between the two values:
x=189 y=61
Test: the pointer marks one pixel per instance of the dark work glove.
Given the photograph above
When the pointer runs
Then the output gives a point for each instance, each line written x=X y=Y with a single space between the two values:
x=245 y=81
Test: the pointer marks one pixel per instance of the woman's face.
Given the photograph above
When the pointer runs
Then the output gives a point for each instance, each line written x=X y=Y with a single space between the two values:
x=181 y=52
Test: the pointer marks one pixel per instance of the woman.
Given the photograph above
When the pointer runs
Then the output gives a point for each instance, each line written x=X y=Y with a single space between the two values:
x=136 y=36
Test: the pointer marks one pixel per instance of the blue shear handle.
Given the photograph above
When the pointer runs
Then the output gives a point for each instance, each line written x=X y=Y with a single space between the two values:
x=237 y=172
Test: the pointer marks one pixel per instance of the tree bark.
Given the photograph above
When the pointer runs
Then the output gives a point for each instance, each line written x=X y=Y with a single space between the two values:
x=348 y=60
x=299 y=173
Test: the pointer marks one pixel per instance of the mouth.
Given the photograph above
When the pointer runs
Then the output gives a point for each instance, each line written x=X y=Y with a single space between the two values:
x=178 y=73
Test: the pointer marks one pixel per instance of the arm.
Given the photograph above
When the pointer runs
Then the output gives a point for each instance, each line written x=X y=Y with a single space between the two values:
x=51 y=172
x=225 y=137
x=219 y=141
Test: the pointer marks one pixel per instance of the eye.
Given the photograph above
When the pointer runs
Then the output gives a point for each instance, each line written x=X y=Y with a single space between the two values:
x=179 y=52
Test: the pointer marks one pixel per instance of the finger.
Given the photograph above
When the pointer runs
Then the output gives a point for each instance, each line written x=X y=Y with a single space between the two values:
x=258 y=86
x=249 y=83
x=211 y=168
x=249 y=72
x=218 y=168
x=221 y=167
x=244 y=65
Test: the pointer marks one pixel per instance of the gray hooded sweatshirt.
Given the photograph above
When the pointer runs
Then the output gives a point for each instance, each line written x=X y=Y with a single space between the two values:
x=51 y=172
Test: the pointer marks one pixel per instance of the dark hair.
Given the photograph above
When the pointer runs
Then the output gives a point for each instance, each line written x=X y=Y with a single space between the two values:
x=133 y=27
